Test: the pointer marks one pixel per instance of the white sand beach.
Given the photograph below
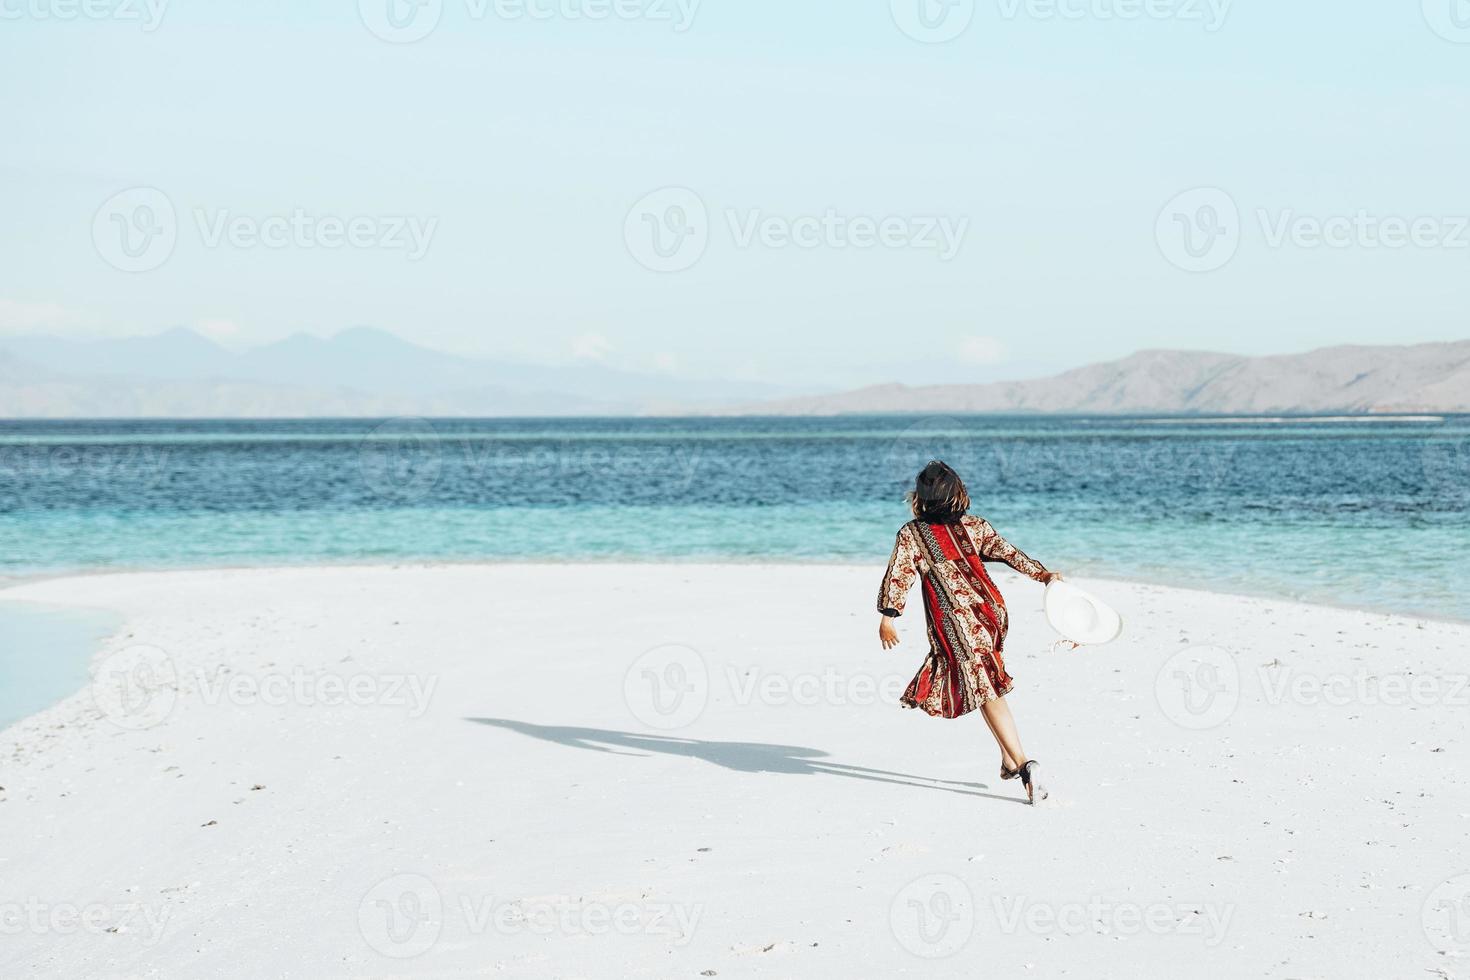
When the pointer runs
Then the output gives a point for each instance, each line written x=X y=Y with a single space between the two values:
x=608 y=771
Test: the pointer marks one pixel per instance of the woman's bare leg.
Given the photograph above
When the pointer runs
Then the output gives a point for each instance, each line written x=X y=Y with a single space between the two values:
x=1003 y=727
x=1006 y=762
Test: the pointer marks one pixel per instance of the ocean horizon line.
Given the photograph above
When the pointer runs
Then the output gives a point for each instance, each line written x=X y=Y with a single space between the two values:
x=1326 y=415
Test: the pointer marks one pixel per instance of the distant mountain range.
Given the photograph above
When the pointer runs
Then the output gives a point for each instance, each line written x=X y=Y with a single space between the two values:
x=359 y=372
x=1351 y=380
x=368 y=372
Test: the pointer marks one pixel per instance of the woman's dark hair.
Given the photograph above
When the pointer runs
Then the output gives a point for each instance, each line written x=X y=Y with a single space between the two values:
x=939 y=495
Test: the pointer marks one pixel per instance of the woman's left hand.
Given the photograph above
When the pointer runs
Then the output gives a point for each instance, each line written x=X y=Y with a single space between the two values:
x=887 y=635
x=1052 y=577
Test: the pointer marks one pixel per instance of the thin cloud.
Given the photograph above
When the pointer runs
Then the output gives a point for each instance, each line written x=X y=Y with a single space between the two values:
x=21 y=317
x=591 y=347
x=982 y=350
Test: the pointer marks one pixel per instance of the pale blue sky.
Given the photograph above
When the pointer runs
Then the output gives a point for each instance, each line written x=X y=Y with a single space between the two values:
x=524 y=142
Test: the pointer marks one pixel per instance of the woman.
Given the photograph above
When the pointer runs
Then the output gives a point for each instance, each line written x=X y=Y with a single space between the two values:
x=966 y=616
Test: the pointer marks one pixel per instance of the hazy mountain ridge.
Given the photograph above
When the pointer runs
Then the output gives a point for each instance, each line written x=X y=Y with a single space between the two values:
x=1348 y=379
x=371 y=373
x=358 y=372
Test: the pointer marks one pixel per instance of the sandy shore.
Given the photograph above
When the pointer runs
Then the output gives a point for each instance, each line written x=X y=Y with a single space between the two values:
x=681 y=771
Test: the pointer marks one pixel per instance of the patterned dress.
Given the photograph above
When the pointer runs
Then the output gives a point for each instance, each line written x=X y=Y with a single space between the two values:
x=965 y=612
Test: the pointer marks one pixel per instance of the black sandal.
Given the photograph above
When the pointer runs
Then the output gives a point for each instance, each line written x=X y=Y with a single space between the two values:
x=1009 y=773
x=1034 y=791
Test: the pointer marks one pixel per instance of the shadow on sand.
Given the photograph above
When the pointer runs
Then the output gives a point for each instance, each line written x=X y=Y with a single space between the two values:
x=736 y=756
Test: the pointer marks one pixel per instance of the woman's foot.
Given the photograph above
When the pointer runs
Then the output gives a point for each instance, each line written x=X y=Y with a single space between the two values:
x=1006 y=772
x=1032 y=781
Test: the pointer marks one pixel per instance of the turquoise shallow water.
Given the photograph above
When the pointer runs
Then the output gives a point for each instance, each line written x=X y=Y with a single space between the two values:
x=1370 y=513
x=44 y=654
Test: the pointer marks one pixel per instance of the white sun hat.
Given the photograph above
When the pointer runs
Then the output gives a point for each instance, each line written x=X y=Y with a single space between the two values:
x=1080 y=616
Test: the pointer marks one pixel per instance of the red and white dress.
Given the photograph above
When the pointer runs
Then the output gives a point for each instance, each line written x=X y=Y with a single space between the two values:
x=965 y=612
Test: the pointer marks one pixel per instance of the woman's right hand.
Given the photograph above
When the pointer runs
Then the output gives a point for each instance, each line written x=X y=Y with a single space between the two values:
x=887 y=635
